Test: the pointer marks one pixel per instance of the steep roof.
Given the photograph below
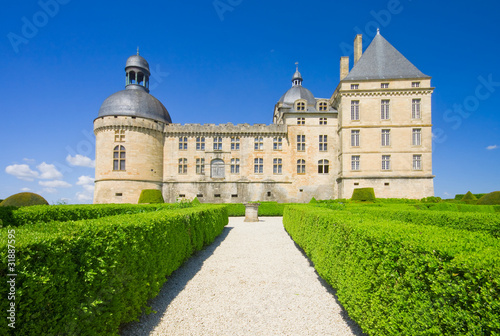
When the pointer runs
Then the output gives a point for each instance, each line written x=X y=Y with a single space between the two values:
x=382 y=61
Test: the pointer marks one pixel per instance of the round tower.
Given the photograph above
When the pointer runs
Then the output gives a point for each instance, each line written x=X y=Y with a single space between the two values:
x=129 y=134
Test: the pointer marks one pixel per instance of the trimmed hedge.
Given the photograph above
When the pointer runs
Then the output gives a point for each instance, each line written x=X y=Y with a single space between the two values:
x=151 y=196
x=459 y=197
x=24 y=199
x=363 y=194
x=396 y=278
x=492 y=198
x=269 y=209
x=89 y=277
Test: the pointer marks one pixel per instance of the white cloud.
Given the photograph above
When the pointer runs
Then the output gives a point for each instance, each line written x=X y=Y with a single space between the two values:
x=49 y=171
x=80 y=161
x=83 y=180
x=25 y=189
x=50 y=190
x=54 y=184
x=83 y=197
x=87 y=183
x=492 y=147
x=22 y=172
x=29 y=160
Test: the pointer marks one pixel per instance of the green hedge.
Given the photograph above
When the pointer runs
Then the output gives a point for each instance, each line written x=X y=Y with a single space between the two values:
x=458 y=207
x=363 y=194
x=89 y=277
x=151 y=196
x=396 y=278
x=269 y=209
x=458 y=197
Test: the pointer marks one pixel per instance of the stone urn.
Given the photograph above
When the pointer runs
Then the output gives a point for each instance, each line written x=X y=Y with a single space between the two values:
x=251 y=212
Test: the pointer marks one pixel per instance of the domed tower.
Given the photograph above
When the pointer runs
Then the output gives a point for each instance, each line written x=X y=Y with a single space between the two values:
x=129 y=134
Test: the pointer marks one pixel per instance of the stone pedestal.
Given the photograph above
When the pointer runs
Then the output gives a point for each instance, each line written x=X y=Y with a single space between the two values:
x=251 y=212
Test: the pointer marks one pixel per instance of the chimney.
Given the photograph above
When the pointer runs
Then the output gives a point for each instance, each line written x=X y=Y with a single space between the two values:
x=358 y=48
x=344 y=67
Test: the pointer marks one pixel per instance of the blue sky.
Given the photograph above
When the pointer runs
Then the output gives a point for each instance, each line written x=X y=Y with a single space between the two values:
x=230 y=61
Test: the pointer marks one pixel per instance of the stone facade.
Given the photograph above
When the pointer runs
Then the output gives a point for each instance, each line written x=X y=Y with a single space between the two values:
x=372 y=132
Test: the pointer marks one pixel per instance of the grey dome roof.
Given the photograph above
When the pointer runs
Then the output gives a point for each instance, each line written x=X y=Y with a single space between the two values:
x=134 y=101
x=137 y=61
x=298 y=92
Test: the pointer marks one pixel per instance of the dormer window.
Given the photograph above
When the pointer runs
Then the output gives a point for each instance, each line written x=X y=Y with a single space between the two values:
x=322 y=106
x=301 y=106
x=384 y=85
x=354 y=86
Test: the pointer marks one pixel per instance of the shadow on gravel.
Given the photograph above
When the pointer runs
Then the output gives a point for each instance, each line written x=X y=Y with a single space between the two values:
x=174 y=285
x=355 y=328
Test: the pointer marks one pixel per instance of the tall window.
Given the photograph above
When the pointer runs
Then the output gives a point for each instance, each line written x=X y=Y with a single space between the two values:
x=354 y=109
x=386 y=162
x=200 y=143
x=355 y=138
x=183 y=143
x=384 y=109
x=354 y=86
x=119 y=135
x=323 y=166
x=323 y=143
x=355 y=162
x=235 y=143
x=183 y=167
x=218 y=168
x=235 y=166
x=301 y=166
x=323 y=121
x=415 y=109
x=301 y=143
x=277 y=143
x=384 y=85
x=301 y=121
x=277 y=166
x=258 y=166
x=301 y=106
x=386 y=137
x=217 y=143
x=119 y=158
x=200 y=166
x=415 y=84
x=323 y=106
x=258 y=143
x=417 y=162
x=416 y=137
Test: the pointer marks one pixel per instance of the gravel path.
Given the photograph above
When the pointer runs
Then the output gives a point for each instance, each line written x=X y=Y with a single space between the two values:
x=253 y=280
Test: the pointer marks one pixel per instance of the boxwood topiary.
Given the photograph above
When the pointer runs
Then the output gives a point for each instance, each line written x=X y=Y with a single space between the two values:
x=151 y=196
x=24 y=199
x=363 y=194
x=492 y=198
x=313 y=201
x=469 y=198
x=196 y=201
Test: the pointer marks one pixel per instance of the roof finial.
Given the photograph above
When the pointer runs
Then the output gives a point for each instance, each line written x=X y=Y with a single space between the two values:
x=378 y=31
x=138 y=51
x=297 y=65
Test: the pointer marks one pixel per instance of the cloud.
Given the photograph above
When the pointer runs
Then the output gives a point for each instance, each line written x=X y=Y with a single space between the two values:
x=29 y=160
x=49 y=171
x=83 y=197
x=54 y=184
x=492 y=147
x=25 y=189
x=22 y=172
x=87 y=183
x=83 y=180
x=80 y=161
x=50 y=190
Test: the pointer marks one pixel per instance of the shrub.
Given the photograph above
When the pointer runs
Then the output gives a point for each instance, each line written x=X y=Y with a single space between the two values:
x=196 y=201
x=458 y=197
x=313 y=201
x=151 y=196
x=89 y=277
x=469 y=198
x=492 y=198
x=24 y=199
x=363 y=194
x=431 y=199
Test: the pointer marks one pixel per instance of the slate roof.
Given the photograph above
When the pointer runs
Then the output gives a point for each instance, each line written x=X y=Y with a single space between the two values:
x=382 y=61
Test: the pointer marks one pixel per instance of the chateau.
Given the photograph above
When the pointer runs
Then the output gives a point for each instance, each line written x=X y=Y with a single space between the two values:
x=374 y=131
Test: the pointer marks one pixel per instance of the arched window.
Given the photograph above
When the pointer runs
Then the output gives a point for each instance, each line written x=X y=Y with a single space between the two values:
x=131 y=78
x=119 y=158
x=323 y=166
x=301 y=166
x=217 y=168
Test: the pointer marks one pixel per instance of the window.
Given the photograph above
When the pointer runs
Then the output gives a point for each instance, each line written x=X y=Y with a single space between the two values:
x=301 y=106
x=301 y=121
x=323 y=121
x=386 y=162
x=415 y=84
x=384 y=109
x=119 y=158
x=417 y=162
x=235 y=166
x=217 y=168
x=386 y=137
x=323 y=166
x=354 y=86
x=217 y=143
x=235 y=143
x=415 y=109
x=200 y=166
x=200 y=143
x=355 y=138
x=258 y=143
x=258 y=165
x=277 y=143
x=355 y=162
x=301 y=166
x=301 y=143
x=322 y=106
x=354 y=109
x=277 y=166
x=119 y=135
x=183 y=166
x=323 y=143
x=183 y=143
x=416 y=137
x=119 y=194
x=384 y=85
